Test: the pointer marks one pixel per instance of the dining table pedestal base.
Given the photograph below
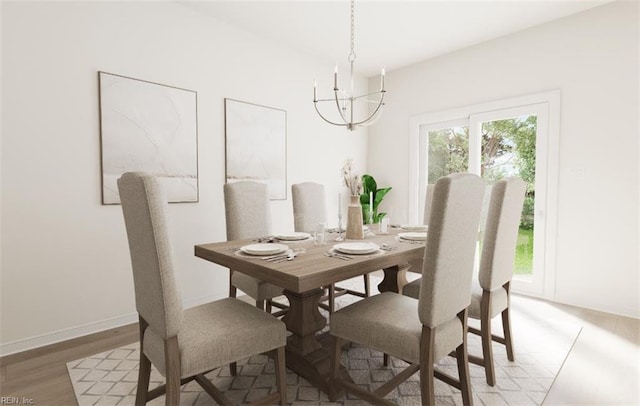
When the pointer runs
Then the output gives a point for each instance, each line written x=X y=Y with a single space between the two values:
x=308 y=353
x=395 y=278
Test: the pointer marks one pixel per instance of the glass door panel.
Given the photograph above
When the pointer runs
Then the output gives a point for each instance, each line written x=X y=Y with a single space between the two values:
x=513 y=143
x=509 y=149
x=444 y=149
x=448 y=152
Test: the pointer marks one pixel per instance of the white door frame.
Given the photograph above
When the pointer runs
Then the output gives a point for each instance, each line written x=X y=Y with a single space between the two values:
x=547 y=167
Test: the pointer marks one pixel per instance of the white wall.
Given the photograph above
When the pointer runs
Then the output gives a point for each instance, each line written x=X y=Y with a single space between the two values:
x=65 y=261
x=592 y=57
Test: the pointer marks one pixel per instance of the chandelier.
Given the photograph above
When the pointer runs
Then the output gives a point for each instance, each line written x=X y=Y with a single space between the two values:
x=345 y=102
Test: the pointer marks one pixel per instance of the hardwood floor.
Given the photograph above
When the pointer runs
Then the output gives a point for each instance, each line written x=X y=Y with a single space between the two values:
x=602 y=368
x=41 y=374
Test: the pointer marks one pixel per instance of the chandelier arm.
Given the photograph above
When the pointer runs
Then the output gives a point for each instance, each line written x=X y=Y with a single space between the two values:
x=380 y=105
x=327 y=100
x=337 y=98
x=370 y=101
x=369 y=94
x=372 y=120
x=328 y=121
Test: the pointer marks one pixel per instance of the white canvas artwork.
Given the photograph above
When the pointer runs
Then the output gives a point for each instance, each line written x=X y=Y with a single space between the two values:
x=256 y=138
x=152 y=128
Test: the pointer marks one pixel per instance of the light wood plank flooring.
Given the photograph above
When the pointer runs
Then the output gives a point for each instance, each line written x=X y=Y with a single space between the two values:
x=602 y=368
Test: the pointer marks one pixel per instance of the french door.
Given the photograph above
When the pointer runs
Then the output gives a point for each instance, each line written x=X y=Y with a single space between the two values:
x=496 y=143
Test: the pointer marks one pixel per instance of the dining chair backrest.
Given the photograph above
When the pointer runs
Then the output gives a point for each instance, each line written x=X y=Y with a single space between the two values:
x=157 y=298
x=428 y=201
x=309 y=206
x=501 y=233
x=247 y=210
x=447 y=270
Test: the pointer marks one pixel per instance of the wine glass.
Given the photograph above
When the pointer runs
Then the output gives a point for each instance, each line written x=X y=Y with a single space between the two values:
x=339 y=237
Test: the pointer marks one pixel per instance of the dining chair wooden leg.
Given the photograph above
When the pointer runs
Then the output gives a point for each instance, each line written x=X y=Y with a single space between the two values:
x=427 y=390
x=506 y=325
x=281 y=375
x=332 y=298
x=485 y=334
x=367 y=285
x=335 y=368
x=268 y=306
x=462 y=358
x=144 y=370
x=233 y=291
x=385 y=360
x=172 y=365
x=260 y=304
x=508 y=341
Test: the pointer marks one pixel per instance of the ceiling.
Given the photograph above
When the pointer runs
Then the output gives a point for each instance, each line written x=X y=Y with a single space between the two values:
x=391 y=33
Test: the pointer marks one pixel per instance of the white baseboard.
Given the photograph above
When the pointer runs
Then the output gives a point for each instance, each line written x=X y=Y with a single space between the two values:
x=31 y=343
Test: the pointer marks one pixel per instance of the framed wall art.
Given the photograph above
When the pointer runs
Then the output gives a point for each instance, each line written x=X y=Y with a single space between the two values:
x=256 y=145
x=150 y=127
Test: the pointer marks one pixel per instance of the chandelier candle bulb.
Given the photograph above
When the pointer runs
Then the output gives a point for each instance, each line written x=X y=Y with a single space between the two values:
x=315 y=90
x=382 y=81
x=335 y=78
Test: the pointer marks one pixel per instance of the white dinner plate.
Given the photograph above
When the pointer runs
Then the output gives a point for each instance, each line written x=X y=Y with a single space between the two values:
x=414 y=227
x=295 y=236
x=264 y=249
x=357 y=248
x=413 y=236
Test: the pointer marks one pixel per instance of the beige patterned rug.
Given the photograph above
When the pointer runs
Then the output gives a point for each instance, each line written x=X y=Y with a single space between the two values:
x=543 y=337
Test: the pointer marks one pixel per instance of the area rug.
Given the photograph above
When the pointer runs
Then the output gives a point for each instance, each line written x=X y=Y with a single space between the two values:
x=542 y=337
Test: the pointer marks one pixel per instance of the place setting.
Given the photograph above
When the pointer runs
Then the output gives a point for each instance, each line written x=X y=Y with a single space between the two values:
x=351 y=250
x=270 y=252
x=294 y=237
x=413 y=233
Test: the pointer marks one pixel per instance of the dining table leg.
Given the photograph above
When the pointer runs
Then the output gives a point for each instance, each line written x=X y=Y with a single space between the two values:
x=307 y=352
x=395 y=278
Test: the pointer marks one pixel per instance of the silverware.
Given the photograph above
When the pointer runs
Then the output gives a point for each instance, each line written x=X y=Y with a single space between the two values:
x=339 y=256
x=275 y=257
x=288 y=257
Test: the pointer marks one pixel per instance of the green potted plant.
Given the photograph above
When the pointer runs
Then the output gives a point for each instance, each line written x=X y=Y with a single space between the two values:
x=371 y=192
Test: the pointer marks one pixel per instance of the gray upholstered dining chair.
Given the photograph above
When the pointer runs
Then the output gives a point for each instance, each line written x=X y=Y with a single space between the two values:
x=426 y=330
x=309 y=209
x=490 y=294
x=248 y=215
x=309 y=206
x=416 y=265
x=185 y=344
x=490 y=291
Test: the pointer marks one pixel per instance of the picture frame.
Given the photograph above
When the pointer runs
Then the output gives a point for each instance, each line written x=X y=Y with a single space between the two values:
x=148 y=127
x=256 y=145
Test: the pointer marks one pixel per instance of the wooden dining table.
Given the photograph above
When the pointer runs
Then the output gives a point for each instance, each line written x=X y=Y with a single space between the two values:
x=303 y=279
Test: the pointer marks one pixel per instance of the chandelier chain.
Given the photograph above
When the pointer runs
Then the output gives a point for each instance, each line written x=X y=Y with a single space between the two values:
x=352 y=55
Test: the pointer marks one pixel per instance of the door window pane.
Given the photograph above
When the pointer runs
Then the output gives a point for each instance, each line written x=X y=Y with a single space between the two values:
x=448 y=152
x=509 y=149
